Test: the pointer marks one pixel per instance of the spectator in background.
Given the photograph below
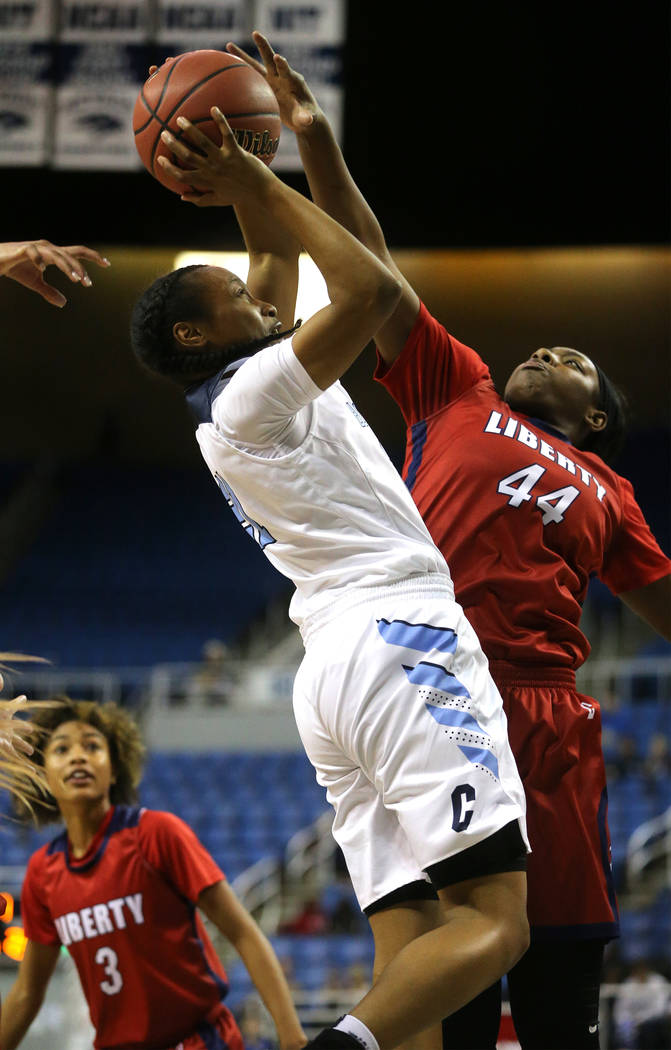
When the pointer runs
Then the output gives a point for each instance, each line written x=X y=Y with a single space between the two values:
x=657 y=760
x=253 y=1026
x=311 y=920
x=642 y=1011
x=214 y=679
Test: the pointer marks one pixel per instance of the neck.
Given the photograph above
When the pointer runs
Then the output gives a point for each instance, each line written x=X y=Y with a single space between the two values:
x=82 y=822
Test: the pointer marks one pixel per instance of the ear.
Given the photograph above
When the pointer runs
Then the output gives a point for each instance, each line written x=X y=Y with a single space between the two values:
x=188 y=335
x=596 y=419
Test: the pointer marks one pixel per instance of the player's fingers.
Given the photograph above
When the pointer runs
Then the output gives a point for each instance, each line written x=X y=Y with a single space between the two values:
x=265 y=49
x=201 y=200
x=223 y=125
x=51 y=294
x=233 y=49
x=180 y=148
x=35 y=255
x=80 y=251
x=193 y=135
x=176 y=173
x=16 y=704
x=66 y=262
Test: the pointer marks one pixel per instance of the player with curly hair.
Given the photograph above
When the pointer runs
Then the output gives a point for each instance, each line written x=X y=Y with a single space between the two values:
x=121 y=886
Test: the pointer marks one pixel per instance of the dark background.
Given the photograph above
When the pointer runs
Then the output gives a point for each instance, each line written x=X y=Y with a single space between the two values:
x=465 y=124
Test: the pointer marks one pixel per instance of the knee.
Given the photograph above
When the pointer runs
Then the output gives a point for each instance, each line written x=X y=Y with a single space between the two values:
x=515 y=938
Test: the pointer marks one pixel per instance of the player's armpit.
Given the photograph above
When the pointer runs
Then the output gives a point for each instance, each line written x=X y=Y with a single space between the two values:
x=653 y=604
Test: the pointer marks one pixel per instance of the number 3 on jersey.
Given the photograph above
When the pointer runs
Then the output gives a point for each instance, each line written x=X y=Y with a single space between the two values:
x=518 y=487
x=113 y=982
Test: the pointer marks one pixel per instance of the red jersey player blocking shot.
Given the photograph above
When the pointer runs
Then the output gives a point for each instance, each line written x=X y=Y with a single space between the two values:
x=120 y=887
x=517 y=494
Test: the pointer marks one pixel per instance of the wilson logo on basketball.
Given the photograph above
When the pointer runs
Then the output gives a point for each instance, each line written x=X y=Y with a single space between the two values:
x=259 y=143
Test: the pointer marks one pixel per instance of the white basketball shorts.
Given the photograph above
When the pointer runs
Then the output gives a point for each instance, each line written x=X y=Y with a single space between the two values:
x=406 y=730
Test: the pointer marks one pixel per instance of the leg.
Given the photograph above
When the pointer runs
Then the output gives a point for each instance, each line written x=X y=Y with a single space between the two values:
x=476 y=1026
x=554 y=995
x=395 y=926
x=483 y=934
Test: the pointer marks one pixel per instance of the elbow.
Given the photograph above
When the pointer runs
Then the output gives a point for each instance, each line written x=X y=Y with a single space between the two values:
x=384 y=297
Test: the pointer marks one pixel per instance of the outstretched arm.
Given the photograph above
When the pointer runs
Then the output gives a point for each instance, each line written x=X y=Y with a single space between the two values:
x=362 y=291
x=26 y=261
x=330 y=181
x=227 y=913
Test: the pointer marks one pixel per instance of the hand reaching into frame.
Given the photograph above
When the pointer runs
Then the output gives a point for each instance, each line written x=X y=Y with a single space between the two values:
x=26 y=261
x=13 y=731
x=298 y=106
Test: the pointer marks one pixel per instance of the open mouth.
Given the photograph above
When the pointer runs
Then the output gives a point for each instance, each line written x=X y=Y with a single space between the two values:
x=80 y=776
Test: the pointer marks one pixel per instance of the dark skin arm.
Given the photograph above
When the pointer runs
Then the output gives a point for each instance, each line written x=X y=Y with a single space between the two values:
x=273 y=260
x=331 y=184
x=362 y=292
x=653 y=604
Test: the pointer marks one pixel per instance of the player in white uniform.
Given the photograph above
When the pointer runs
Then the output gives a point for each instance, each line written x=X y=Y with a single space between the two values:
x=393 y=700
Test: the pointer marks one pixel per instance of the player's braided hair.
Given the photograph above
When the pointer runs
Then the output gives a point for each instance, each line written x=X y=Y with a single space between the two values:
x=608 y=442
x=123 y=739
x=171 y=298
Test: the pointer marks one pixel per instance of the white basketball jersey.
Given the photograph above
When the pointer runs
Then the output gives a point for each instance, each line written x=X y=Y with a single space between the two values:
x=309 y=481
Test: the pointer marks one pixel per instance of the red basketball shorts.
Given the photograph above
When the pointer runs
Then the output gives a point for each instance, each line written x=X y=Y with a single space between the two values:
x=555 y=735
x=221 y=1034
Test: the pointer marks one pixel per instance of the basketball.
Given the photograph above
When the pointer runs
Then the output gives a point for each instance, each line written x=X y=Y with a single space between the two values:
x=188 y=86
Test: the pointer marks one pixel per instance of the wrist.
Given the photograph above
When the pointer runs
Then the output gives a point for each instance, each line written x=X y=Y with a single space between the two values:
x=317 y=128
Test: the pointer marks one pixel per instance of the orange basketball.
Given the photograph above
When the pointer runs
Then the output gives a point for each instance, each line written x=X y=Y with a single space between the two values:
x=188 y=86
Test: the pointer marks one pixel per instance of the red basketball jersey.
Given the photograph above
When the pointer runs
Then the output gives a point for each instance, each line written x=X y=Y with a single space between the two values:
x=126 y=913
x=523 y=518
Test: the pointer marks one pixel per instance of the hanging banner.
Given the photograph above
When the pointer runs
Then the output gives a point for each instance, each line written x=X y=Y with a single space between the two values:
x=70 y=70
x=208 y=24
x=311 y=36
x=102 y=60
x=26 y=81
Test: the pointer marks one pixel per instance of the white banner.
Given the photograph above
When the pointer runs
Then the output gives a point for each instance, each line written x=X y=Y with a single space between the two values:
x=33 y=20
x=111 y=21
x=300 y=22
x=26 y=103
x=98 y=85
x=206 y=24
x=26 y=81
x=311 y=36
x=70 y=70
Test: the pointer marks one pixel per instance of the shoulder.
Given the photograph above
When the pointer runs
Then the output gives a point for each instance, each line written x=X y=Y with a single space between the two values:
x=161 y=826
x=44 y=862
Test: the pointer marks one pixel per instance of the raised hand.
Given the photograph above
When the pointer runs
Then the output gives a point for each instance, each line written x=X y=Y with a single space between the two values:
x=13 y=731
x=26 y=261
x=213 y=175
x=298 y=106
